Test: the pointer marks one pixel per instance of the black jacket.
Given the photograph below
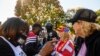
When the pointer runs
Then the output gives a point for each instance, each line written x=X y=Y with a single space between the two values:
x=5 y=49
x=31 y=49
x=92 y=44
x=78 y=42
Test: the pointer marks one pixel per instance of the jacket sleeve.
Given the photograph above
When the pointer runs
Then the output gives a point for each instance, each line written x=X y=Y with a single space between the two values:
x=31 y=46
x=31 y=49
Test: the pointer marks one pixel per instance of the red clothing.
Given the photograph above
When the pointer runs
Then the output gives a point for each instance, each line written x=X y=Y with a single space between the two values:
x=65 y=48
x=31 y=38
x=31 y=34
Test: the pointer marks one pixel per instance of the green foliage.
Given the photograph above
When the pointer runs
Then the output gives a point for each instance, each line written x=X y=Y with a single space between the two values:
x=98 y=20
x=98 y=12
x=39 y=11
x=98 y=16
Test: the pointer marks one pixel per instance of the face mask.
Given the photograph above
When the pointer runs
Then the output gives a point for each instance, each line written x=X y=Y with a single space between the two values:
x=21 y=41
x=21 y=38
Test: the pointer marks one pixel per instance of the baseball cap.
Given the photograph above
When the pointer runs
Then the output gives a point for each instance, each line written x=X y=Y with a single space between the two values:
x=37 y=25
x=85 y=15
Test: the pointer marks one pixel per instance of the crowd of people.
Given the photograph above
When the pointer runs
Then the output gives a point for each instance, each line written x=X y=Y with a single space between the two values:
x=17 y=40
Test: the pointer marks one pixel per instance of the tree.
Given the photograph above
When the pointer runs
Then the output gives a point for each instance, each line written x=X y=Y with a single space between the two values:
x=98 y=12
x=98 y=16
x=39 y=10
x=98 y=20
x=70 y=12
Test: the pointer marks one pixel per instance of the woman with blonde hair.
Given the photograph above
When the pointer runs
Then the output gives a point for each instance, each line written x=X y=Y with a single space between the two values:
x=65 y=46
x=85 y=27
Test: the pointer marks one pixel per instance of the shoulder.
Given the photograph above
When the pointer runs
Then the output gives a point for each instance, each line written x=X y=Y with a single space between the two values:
x=2 y=42
x=5 y=49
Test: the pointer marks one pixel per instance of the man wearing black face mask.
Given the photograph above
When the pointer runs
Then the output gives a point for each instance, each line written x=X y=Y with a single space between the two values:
x=21 y=38
x=11 y=36
x=50 y=32
x=32 y=45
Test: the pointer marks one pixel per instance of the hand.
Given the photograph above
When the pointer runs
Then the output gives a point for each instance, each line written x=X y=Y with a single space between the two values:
x=47 y=48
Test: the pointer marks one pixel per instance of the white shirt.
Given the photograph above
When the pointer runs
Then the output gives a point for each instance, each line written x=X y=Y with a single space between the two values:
x=17 y=50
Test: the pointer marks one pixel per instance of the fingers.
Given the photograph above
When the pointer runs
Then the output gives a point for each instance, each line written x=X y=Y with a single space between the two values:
x=47 y=48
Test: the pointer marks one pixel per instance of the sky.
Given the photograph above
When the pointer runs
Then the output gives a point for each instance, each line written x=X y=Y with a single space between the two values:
x=90 y=4
x=7 y=6
x=6 y=9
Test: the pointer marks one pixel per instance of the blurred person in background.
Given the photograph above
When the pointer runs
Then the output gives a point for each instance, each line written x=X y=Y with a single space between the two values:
x=65 y=46
x=60 y=30
x=32 y=45
x=50 y=32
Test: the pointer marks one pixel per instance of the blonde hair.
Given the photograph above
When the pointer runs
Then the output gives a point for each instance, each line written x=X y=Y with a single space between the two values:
x=89 y=27
x=66 y=35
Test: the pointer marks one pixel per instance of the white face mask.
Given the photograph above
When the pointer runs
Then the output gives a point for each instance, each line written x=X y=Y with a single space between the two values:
x=21 y=41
